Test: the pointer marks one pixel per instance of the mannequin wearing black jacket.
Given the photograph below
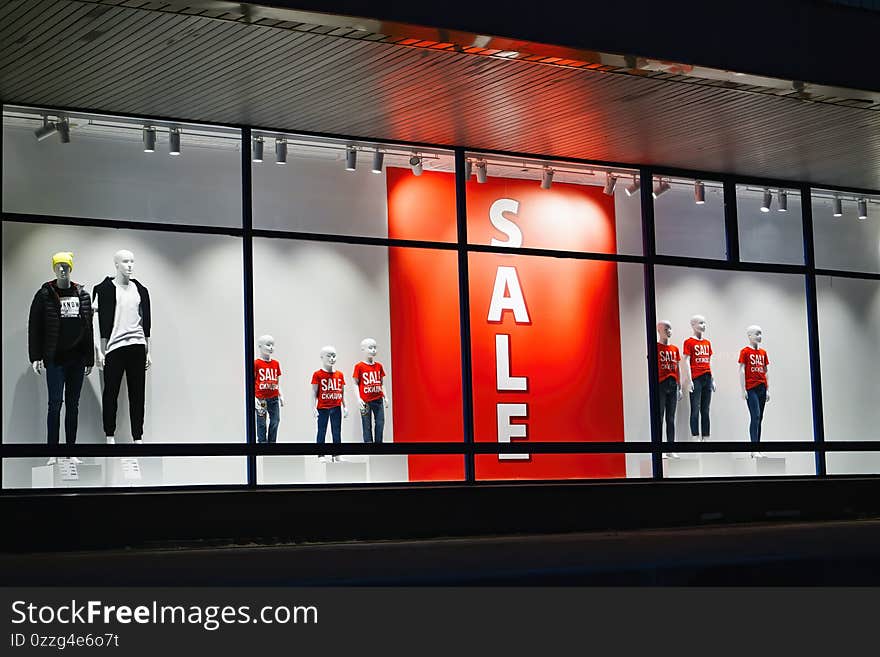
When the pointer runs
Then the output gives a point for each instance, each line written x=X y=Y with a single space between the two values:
x=60 y=339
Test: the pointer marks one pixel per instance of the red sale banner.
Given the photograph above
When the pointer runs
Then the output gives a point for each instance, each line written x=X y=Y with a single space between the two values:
x=545 y=339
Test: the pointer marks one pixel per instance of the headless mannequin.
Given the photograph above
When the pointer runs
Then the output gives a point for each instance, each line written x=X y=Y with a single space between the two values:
x=700 y=401
x=373 y=410
x=669 y=388
x=756 y=405
x=123 y=260
x=328 y=365
x=266 y=347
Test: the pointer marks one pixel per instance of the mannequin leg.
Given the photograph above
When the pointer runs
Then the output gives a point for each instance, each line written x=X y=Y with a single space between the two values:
x=705 y=401
x=136 y=377
x=671 y=404
x=696 y=398
x=367 y=422
x=755 y=414
x=323 y=417
x=261 y=425
x=379 y=413
x=762 y=400
x=74 y=373
x=114 y=368
x=55 y=385
x=273 y=411
x=336 y=424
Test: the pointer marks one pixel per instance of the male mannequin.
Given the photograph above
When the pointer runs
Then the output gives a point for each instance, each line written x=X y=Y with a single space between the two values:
x=267 y=390
x=369 y=379
x=697 y=351
x=668 y=388
x=60 y=339
x=328 y=395
x=124 y=320
x=753 y=364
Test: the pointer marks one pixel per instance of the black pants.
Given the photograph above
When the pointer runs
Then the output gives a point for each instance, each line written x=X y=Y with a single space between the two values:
x=756 y=398
x=667 y=400
x=701 y=397
x=130 y=361
x=65 y=382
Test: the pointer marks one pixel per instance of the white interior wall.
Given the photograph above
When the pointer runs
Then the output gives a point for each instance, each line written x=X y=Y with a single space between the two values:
x=776 y=237
x=846 y=242
x=683 y=228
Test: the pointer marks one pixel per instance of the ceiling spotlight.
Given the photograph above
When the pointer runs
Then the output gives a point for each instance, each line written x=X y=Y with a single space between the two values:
x=63 y=127
x=46 y=130
x=863 y=208
x=257 y=150
x=468 y=169
x=633 y=187
x=149 y=139
x=415 y=163
x=782 y=199
x=351 y=158
x=174 y=141
x=280 y=151
x=610 y=182
x=766 y=201
x=547 y=178
x=838 y=206
x=482 y=171
x=660 y=188
x=378 y=158
x=699 y=192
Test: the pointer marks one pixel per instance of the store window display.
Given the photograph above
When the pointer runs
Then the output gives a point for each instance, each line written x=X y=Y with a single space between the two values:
x=328 y=392
x=369 y=379
x=754 y=382
x=770 y=224
x=846 y=231
x=669 y=381
x=689 y=218
x=697 y=351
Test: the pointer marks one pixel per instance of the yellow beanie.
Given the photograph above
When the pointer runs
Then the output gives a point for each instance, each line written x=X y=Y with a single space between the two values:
x=62 y=256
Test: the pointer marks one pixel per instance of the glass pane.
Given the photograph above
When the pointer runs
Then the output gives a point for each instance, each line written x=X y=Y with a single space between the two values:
x=308 y=295
x=311 y=185
x=689 y=218
x=105 y=173
x=192 y=392
x=359 y=469
x=741 y=464
x=770 y=225
x=849 y=326
x=846 y=230
x=552 y=205
x=854 y=463
x=732 y=307
x=101 y=472
x=563 y=466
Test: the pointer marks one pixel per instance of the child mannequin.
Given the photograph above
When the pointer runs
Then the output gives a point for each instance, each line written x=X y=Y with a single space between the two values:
x=267 y=390
x=668 y=388
x=754 y=383
x=328 y=397
x=369 y=380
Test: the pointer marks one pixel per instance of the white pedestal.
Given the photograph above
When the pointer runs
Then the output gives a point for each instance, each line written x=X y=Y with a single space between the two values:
x=687 y=465
x=200 y=470
x=770 y=466
x=282 y=469
x=349 y=471
x=43 y=476
x=50 y=476
x=739 y=464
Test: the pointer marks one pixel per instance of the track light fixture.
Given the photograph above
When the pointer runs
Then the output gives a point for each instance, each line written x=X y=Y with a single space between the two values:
x=63 y=127
x=838 y=206
x=699 y=192
x=863 y=208
x=415 y=163
x=257 y=150
x=378 y=159
x=782 y=200
x=351 y=158
x=46 y=130
x=610 y=182
x=468 y=169
x=149 y=139
x=660 y=188
x=547 y=178
x=174 y=141
x=766 y=200
x=482 y=171
x=280 y=151
x=633 y=187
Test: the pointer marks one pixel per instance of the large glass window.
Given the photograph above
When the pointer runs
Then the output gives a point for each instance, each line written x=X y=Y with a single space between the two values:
x=771 y=226
x=846 y=231
x=689 y=218
x=105 y=167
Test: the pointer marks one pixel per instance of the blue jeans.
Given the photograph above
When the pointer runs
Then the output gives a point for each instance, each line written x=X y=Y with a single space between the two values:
x=701 y=397
x=667 y=400
x=373 y=409
x=273 y=414
x=334 y=415
x=756 y=398
x=64 y=381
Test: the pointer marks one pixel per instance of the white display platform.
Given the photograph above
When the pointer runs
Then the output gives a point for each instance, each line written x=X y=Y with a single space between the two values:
x=686 y=465
x=199 y=470
x=83 y=475
x=353 y=469
x=739 y=464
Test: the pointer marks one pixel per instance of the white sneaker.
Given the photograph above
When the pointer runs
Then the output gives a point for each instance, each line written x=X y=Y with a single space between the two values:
x=759 y=455
x=674 y=455
x=75 y=460
x=323 y=459
x=339 y=459
x=52 y=460
x=111 y=440
x=665 y=455
x=137 y=441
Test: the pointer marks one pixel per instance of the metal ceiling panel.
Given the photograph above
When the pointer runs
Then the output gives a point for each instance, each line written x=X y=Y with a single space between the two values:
x=154 y=62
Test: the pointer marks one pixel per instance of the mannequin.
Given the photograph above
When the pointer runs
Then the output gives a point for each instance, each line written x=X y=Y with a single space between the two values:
x=268 y=396
x=123 y=308
x=60 y=339
x=369 y=379
x=697 y=351
x=755 y=386
x=328 y=398
x=668 y=388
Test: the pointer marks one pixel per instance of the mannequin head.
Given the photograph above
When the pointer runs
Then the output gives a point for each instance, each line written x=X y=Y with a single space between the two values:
x=124 y=262
x=698 y=324
x=755 y=334
x=328 y=357
x=369 y=347
x=664 y=330
x=62 y=265
x=266 y=346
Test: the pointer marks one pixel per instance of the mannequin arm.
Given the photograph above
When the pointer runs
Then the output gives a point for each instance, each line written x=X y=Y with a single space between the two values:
x=280 y=393
x=102 y=352
x=344 y=405
x=742 y=381
x=686 y=377
x=149 y=360
x=315 y=399
x=357 y=394
x=384 y=393
x=678 y=369
x=767 y=376
x=258 y=405
x=37 y=366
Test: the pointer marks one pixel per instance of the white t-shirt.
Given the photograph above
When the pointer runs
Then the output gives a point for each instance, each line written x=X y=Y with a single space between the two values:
x=128 y=325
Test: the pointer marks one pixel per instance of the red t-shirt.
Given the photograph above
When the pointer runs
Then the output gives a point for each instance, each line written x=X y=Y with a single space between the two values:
x=756 y=363
x=266 y=373
x=369 y=379
x=700 y=353
x=667 y=360
x=330 y=387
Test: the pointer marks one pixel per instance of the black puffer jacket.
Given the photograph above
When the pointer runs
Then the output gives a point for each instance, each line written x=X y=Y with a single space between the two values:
x=44 y=324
